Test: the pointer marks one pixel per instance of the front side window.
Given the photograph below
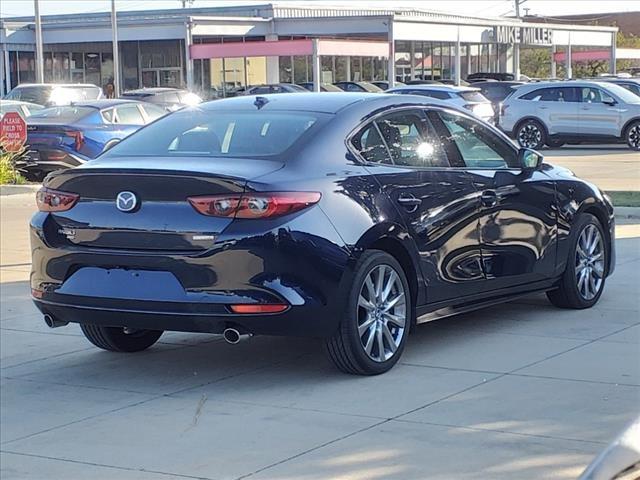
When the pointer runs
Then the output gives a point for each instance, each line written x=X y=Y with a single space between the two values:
x=196 y=132
x=477 y=146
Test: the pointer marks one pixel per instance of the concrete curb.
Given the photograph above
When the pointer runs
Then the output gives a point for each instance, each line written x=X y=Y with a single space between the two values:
x=18 y=189
x=627 y=212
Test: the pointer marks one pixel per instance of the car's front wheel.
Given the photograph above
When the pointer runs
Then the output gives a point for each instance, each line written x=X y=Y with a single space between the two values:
x=633 y=136
x=583 y=281
x=531 y=134
x=118 y=339
x=375 y=325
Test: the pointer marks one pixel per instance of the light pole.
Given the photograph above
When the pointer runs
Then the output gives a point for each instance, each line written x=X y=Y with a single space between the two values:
x=116 y=57
x=39 y=53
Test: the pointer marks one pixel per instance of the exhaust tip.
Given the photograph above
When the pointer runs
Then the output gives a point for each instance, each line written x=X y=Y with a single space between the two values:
x=231 y=335
x=53 y=323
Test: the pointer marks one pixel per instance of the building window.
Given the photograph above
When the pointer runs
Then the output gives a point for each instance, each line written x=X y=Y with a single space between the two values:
x=285 y=75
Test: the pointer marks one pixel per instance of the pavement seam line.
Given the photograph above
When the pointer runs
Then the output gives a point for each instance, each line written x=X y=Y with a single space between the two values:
x=104 y=465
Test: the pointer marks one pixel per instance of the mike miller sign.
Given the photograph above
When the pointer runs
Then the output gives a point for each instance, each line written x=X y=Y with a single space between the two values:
x=523 y=35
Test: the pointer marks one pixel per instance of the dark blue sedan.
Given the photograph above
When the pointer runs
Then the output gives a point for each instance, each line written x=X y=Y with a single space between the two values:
x=67 y=136
x=348 y=217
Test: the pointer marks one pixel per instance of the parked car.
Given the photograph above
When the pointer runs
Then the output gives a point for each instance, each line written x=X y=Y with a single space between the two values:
x=384 y=85
x=631 y=84
x=423 y=82
x=23 y=108
x=349 y=217
x=502 y=77
x=67 y=136
x=324 y=87
x=51 y=94
x=466 y=97
x=496 y=92
x=358 y=87
x=171 y=99
x=275 y=88
x=552 y=113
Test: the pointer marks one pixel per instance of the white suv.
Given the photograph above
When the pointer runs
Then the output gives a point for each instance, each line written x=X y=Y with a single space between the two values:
x=553 y=113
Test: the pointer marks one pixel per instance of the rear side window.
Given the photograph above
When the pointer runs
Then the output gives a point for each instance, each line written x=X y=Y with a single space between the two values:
x=555 y=94
x=472 y=96
x=195 y=132
x=129 y=115
x=403 y=139
x=39 y=95
x=153 y=111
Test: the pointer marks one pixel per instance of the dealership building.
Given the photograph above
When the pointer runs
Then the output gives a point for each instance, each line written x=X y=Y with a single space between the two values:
x=220 y=50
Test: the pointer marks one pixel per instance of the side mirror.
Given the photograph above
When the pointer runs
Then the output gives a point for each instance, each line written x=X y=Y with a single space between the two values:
x=529 y=159
x=609 y=101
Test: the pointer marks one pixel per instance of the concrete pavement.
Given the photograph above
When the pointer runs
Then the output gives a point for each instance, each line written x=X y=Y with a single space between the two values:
x=522 y=390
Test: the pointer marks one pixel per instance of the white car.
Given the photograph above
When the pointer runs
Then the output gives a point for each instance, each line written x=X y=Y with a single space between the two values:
x=466 y=97
x=552 y=113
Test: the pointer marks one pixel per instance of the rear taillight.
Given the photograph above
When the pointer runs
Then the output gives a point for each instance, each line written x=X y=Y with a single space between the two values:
x=503 y=108
x=54 y=201
x=78 y=138
x=254 y=205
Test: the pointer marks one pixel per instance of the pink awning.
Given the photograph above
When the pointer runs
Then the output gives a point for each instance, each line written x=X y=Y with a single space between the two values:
x=584 y=56
x=275 y=48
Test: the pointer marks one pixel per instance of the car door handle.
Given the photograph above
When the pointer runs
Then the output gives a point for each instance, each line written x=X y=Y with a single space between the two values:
x=541 y=107
x=409 y=202
x=489 y=198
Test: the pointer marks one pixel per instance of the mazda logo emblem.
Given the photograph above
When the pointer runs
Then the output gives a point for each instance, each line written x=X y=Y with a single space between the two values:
x=126 y=201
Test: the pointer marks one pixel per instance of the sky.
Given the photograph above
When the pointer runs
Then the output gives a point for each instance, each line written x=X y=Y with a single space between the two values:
x=11 y=8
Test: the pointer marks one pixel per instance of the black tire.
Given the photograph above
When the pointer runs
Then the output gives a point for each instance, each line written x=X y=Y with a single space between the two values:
x=632 y=136
x=114 y=339
x=345 y=348
x=531 y=134
x=552 y=143
x=567 y=295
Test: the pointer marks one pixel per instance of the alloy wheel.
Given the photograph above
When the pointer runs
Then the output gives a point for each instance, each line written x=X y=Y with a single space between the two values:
x=634 y=137
x=382 y=313
x=589 y=262
x=529 y=136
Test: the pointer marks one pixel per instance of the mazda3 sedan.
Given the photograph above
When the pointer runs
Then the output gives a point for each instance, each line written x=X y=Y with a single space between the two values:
x=348 y=217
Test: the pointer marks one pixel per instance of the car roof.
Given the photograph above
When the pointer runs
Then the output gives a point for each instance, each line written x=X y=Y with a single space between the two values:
x=325 y=102
x=437 y=87
x=153 y=90
x=65 y=85
x=104 y=103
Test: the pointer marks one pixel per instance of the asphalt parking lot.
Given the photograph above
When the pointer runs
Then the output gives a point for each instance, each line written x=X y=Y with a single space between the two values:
x=519 y=391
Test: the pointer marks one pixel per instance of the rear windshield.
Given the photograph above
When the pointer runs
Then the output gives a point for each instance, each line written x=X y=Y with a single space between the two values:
x=473 y=96
x=196 y=132
x=39 y=95
x=64 y=114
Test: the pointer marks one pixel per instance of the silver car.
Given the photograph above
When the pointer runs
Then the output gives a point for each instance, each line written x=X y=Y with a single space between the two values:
x=467 y=97
x=553 y=113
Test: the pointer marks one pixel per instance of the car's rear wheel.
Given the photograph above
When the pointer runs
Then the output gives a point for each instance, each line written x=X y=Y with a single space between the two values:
x=633 y=136
x=531 y=134
x=118 y=339
x=375 y=325
x=583 y=281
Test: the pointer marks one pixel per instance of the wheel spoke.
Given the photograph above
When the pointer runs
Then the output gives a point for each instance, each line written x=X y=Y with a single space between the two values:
x=366 y=325
x=390 y=340
x=390 y=283
x=370 y=288
x=391 y=303
x=368 y=347
x=582 y=276
x=381 y=270
x=366 y=304
x=395 y=319
x=581 y=252
x=381 y=354
x=598 y=269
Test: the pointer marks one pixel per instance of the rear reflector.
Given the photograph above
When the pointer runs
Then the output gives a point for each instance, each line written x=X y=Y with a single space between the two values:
x=37 y=293
x=258 y=308
x=254 y=205
x=55 y=201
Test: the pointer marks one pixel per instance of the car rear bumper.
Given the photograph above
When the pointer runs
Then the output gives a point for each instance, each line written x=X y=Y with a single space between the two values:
x=302 y=265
